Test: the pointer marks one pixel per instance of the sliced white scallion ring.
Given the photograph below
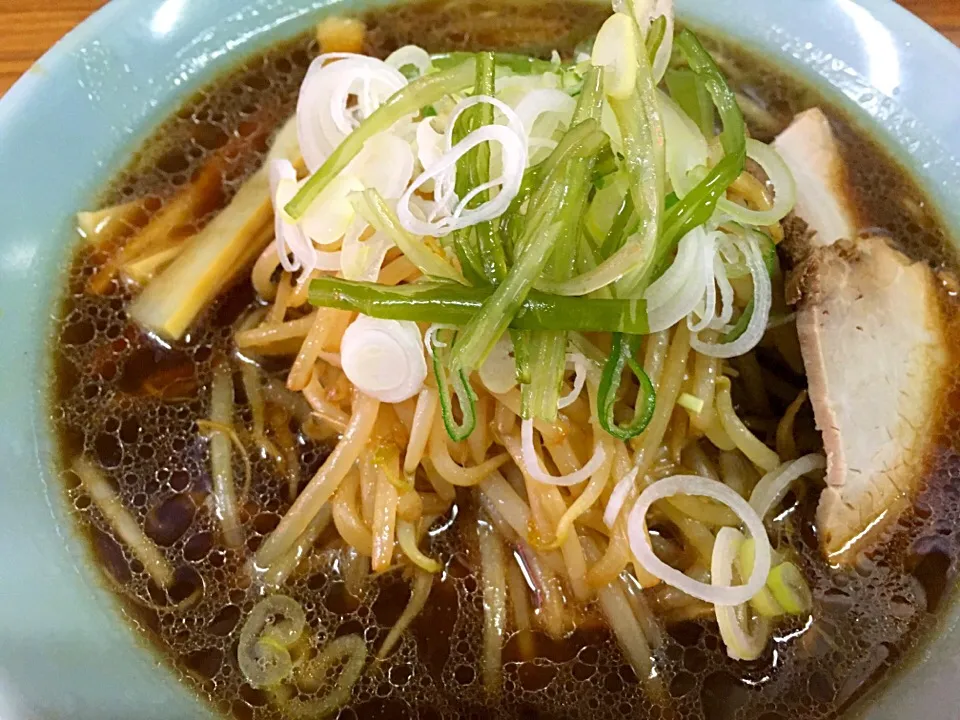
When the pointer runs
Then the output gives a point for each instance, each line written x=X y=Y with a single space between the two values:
x=790 y=589
x=430 y=336
x=608 y=123
x=773 y=486
x=385 y=164
x=704 y=487
x=763 y=602
x=430 y=148
x=645 y=12
x=579 y=363
x=435 y=151
x=430 y=144
x=514 y=155
x=709 y=270
x=332 y=213
x=712 y=316
x=384 y=358
x=513 y=88
x=726 y=294
x=762 y=301
x=556 y=105
x=742 y=644
x=445 y=192
x=618 y=497
x=348 y=652
x=272 y=627
x=784 y=185
x=662 y=60
x=676 y=294
x=410 y=55
x=513 y=120
x=615 y=50
x=535 y=470
x=676 y=276
x=362 y=259
x=498 y=372
x=729 y=251
x=685 y=145
x=541 y=101
x=325 y=115
x=290 y=238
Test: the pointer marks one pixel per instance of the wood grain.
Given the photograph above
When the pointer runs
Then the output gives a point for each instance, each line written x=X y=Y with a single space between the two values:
x=29 y=27
x=944 y=15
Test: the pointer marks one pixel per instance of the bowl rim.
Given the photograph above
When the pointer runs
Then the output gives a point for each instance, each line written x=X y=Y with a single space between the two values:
x=889 y=12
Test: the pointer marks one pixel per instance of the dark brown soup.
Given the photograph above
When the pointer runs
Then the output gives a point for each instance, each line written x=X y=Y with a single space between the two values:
x=131 y=404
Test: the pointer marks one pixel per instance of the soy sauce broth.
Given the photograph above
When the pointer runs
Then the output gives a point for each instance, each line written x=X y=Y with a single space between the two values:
x=131 y=404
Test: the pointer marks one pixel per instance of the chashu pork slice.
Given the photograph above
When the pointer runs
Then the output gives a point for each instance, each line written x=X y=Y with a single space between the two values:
x=823 y=196
x=872 y=338
x=873 y=343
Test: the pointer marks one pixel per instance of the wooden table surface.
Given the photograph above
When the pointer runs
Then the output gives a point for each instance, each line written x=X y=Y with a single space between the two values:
x=29 y=27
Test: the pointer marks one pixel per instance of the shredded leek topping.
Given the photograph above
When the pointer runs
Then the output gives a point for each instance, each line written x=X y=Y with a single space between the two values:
x=486 y=235
x=561 y=199
x=541 y=213
x=268 y=633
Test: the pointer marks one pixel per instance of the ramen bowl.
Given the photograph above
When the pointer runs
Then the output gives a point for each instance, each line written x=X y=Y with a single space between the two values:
x=70 y=124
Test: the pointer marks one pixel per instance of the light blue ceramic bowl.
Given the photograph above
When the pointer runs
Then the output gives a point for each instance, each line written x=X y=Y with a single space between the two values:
x=70 y=124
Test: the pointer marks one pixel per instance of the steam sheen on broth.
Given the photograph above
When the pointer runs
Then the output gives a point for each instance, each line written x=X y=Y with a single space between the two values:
x=131 y=404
